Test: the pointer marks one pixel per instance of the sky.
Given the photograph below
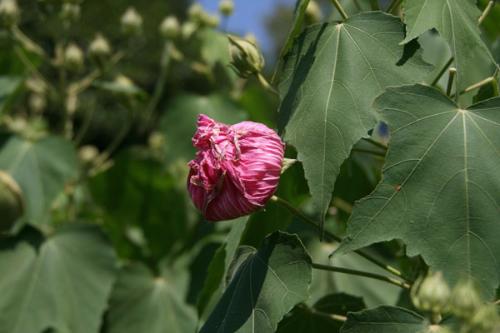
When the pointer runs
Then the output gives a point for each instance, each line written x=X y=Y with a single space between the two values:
x=249 y=17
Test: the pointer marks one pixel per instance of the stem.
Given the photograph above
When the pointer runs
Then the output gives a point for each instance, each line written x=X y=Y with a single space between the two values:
x=332 y=316
x=442 y=71
x=266 y=84
x=26 y=42
x=31 y=67
x=477 y=85
x=160 y=83
x=374 y=276
x=486 y=11
x=285 y=204
x=393 y=6
x=341 y=10
x=451 y=78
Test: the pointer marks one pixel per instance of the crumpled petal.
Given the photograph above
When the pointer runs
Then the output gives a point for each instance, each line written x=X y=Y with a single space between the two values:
x=236 y=169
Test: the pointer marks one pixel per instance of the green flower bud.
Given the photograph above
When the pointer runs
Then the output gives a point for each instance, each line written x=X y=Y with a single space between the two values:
x=196 y=12
x=246 y=58
x=156 y=141
x=99 y=49
x=73 y=57
x=313 y=13
x=9 y=13
x=188 y=29
x=70 y=12
x=485 y=319
x=37 y=103
x=170 y=27
x=131 y=22
x=211 y=21
x=438 y=329
x=88 y=154
x=11 y=202
x=465 y=300
x=432 y=293
x=226 y=7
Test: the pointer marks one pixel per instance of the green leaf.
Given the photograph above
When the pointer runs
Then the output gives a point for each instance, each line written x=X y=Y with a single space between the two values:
x=8 y=84
x=319 y=319
x=141 y=302
x=330 y=80
x=41 y=168
x=179 y=122
x=457 y=22
x=267 y=285
x=385 y=319
x=440 y=192
x=62 y=282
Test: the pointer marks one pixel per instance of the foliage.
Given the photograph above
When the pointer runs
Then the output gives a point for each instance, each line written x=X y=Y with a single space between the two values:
x=386 y=215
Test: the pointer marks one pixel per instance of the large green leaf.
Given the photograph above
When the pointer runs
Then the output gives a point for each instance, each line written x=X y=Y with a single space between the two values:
x=440 y=192
x=383 y=320
x=62 y=282
x=141 y=302
x=41 y=168
x=456 y=21
x=266 y=286
x=8 y=84
x=179 y=122
x=331 y=78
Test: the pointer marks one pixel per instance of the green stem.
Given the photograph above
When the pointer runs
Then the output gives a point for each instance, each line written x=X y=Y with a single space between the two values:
x=341 y=10
x=486 y=11
x=160 y=83
x=477 y=85
x=26 y=42
x=332 y=316
x=451 y=78
x=374 y=276
x=442 y=71
x=266 y=84
x=393 y=6
x=285 y=204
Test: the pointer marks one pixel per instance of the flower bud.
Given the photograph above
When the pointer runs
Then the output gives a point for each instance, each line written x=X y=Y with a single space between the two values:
x=211 y=21
x=37 y=103
x=9 y=13
x=485 y=319
x=70 y=12
x=196 y=12
x=73 y=57
x=99 y=47
x=465 y=300
x=131 y=22
x=188 y=29
x=11 y=202
x=246 y=58
x=87 y=154
x=236 y=169
x=170 y=27
x=313 y=13
x=438 y=329
x=226 y=7
x=156 y=141
x=432 y=293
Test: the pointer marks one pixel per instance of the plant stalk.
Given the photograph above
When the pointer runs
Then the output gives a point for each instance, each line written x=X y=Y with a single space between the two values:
x=442 y=71
x=486 y=11
x=285 y=204
x=477 y=85
x=451 y=78
x=374 y=276
x=341 y=10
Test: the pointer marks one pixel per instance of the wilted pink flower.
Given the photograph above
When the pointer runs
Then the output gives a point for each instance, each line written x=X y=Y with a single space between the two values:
x=236 y=169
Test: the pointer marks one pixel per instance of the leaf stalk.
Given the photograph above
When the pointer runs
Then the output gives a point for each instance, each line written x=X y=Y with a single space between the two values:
x=341 y=10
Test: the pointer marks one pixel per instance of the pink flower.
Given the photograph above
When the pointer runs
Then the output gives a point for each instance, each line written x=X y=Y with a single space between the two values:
x=236 y=169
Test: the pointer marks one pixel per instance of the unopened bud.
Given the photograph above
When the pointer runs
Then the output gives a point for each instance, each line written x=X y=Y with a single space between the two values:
x=131 y=22
x=73 y=58
x=87 y=154
x=438 y=329
x=37 y=103
x=252 y=38
x=195 y=12
x=11 y=202
x=226 y=7
x=70 y=12
x=211 y=21
x=465 y=300
x=313 y=13
x=485 y=319
x=431 y=294
x=246 y=58
x=170 y=27
x=156 y=141
x=9 y=13
x=99 y=47
x=188 y=29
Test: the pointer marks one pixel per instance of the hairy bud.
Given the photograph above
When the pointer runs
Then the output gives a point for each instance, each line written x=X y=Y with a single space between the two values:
x=313 y=13
x=170 y=27
x=211 y=21
x=70 y=12
x=431 y=294
x=246 y=58
x=88 y=154
x=196 y=12
x=131 y=22
x=9 y=13
x=465 y=300
x=11 y=202
x=188 y=29
x=226 y=7
x=73 y=57
x=99 y=49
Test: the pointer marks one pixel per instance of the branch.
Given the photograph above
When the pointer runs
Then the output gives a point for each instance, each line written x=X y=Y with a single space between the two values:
x=341 y=10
